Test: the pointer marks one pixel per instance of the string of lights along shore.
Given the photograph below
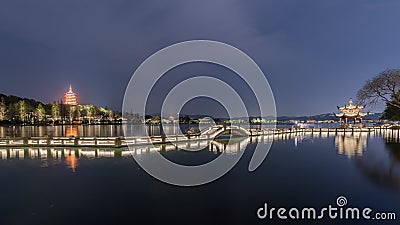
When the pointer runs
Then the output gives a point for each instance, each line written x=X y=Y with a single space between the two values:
x=70 y=98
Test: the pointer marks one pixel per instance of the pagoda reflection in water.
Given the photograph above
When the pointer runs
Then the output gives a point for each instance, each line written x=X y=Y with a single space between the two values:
x=351 y=144
x=70 y=159
x=71 y=156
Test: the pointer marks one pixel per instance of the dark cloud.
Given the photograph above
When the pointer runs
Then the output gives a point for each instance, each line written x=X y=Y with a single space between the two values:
x=316 y=54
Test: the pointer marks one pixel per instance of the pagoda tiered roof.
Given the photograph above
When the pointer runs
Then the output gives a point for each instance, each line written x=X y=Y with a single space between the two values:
x=352 y=106
x=70 y=98
x=351 y=110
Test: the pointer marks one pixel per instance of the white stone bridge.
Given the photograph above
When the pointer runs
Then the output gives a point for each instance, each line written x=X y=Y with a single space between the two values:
x=206 y=134
x=218 y=130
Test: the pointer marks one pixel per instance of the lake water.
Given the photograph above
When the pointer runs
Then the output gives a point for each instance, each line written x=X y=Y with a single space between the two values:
x=84 y=130
x=106 y=186
x=108 y=130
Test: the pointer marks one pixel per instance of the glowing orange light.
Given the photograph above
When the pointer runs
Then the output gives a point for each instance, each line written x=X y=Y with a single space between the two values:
x=71 y=131
x=72 y=161
x=70 y=98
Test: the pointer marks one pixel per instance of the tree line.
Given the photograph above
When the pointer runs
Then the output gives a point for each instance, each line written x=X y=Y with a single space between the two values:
x=23 y=111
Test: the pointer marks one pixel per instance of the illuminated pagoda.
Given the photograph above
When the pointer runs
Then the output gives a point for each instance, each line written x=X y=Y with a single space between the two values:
x=350 y=111
x=70 y=98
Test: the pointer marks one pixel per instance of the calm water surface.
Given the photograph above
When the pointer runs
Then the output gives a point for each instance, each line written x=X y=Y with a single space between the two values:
x=106 y=186
x=108 y=130
x=86 y=130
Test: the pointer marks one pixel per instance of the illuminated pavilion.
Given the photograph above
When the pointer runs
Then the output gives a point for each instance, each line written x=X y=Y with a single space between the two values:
x=70 y=98
x=350 y=111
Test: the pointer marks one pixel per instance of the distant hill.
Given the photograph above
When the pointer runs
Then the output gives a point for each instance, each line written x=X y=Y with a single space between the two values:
x=319 y=117
x=11 y=99
x=326 y=116
x=194 y=116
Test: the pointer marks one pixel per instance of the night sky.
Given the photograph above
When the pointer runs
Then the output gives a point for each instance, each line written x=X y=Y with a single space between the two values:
x=315 y=54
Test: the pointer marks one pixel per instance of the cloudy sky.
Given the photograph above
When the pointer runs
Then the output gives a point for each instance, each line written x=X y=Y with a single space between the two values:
x=315 y=54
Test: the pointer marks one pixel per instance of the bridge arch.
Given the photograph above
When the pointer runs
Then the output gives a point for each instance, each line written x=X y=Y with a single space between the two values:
x=218 y=130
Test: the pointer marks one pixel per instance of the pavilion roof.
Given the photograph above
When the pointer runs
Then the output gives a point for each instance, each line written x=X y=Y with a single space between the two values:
x=351 y=105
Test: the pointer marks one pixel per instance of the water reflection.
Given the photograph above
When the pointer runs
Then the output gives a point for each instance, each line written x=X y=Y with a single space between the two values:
x=351 y=144
x=63 y=131
x=390 y=135
x=17 y=153
x=91 y=130
x=376 y=156
x=85 y=130
x=3 y=154
x=71 y=131
x=71 y=156
x=71 y=160
x=300 y=139
x=382 y=168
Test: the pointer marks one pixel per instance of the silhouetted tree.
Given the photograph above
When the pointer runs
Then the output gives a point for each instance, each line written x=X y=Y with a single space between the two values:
x=64 y=111
x=12 y=111
x=385 y=86
x=391 y=113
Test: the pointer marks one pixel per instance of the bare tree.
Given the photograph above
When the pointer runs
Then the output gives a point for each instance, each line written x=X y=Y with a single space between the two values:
x=385 y=86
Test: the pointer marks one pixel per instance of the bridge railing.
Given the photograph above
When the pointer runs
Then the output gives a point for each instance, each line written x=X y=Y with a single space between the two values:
x=211 y=129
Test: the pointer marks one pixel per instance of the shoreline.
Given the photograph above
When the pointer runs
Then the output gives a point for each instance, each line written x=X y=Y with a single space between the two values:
x=120 y=141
